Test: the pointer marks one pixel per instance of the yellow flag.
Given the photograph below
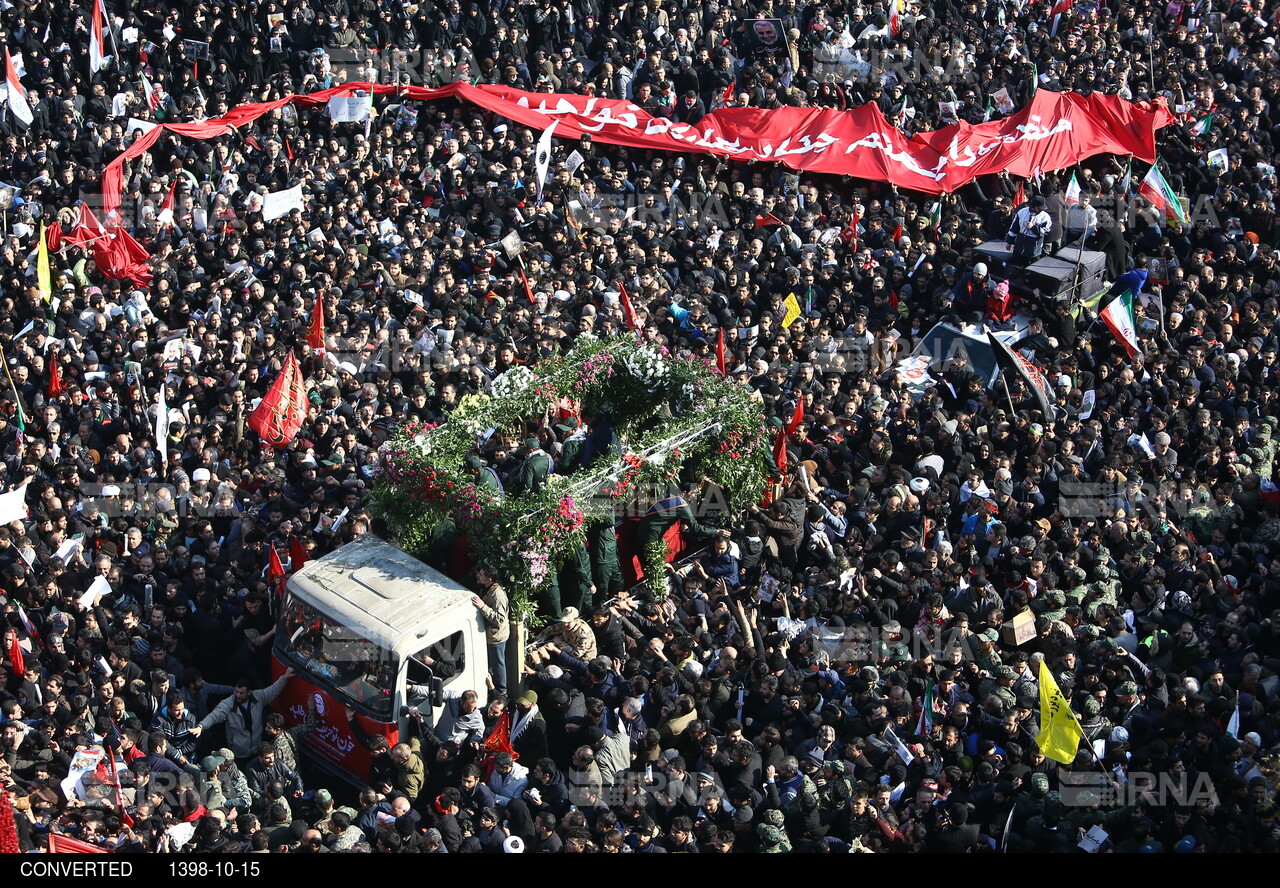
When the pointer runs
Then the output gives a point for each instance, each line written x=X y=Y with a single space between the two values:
x=792 y=305
x=44 y=281
x=1060 y=730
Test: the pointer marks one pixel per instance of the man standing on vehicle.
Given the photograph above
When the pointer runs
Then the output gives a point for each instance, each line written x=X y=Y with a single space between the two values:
x=462 y=721
x=495 y=610
x=243 y=713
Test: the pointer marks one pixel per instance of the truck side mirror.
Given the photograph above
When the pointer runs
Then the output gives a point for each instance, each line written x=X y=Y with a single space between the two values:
x=437 y=691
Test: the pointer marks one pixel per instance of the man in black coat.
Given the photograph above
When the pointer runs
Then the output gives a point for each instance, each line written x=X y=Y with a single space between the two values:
x=953 y=833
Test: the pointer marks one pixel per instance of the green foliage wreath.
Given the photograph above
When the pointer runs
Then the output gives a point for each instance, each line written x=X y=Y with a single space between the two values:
x=673 y=415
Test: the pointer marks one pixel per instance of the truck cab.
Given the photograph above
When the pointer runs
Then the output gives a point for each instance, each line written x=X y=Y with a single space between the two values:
x=371 y=629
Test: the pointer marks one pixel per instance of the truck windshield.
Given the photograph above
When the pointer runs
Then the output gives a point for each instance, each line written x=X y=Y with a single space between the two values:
x=354 y=669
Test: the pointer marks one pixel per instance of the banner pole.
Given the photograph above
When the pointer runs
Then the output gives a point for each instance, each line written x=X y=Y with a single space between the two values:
x=1004 y=382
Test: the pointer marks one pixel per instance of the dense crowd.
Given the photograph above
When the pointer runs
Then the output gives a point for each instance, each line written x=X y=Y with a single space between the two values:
x=712 y=718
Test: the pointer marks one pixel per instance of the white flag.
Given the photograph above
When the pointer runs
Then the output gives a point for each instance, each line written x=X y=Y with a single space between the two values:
x=512 y=245
x=542 y=159
x=279 y=203
x=13 y=505
x=162 y=429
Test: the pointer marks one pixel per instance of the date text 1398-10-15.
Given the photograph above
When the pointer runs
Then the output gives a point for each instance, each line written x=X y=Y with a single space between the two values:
x=219 y=869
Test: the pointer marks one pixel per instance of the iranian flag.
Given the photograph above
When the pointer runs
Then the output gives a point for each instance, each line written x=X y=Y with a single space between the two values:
x=935 y=218
x=1155 y=189
x=1073 y=190
x=1117 y=310
x=97 y=47
x=18 y=103
x=924 y=726
x=1202 y=126
x=150 y=94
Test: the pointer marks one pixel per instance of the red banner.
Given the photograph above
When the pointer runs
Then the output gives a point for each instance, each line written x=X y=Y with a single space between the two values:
x=1054 y=131
x=281 y=414
x=315 y=330
x=60 y=844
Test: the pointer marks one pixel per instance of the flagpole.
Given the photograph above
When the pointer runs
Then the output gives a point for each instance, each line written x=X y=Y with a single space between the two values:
x=1004 y=382
x=17 y=401
x=106 y=24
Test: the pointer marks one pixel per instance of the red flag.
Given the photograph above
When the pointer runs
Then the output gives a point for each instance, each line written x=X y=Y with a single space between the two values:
x=165 y=216
x=850 y=234
x=763 y=220
x=297 y=553
x=315 y=329
x=897 y=234
x=275 y=573
x=566 y=407
x=528 y=291
x=280 y=415
x=56 y=385
x=720 y=351
x=15 y=656
x=53 y=236
x=288 y=149
x=1020 y=196
x=628 y=311
x=125 y=818
x=60 y=844
x=728 y=94
x=1061 y=6
x=797 y=417
x=780 y=453
x=499 y=740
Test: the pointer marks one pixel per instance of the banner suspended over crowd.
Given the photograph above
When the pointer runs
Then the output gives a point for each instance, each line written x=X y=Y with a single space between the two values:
x=1054 y=131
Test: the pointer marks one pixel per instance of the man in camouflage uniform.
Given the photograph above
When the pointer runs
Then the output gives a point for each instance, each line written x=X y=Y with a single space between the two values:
x=285 y=740
x=985 y=654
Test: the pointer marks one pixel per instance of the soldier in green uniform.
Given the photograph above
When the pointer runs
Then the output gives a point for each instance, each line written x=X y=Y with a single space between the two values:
x=986 y=655
x=1001 y=685
x=534 y=469
x=606 y=572
x=1263 y=451
x=665 y=512
x=573 y=447
x=576 y=587
x=484 y=477
x=1095 y=724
